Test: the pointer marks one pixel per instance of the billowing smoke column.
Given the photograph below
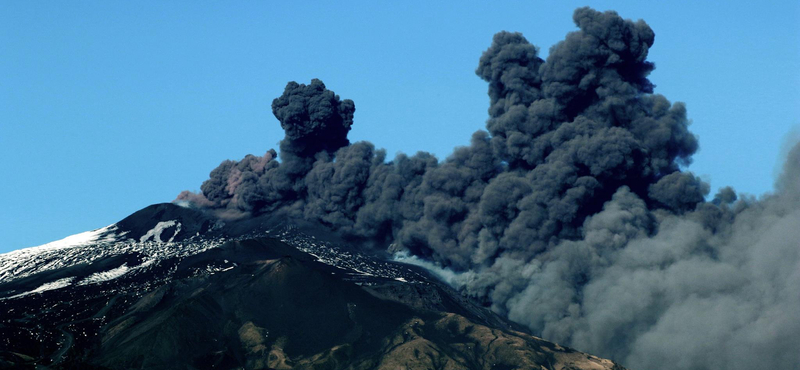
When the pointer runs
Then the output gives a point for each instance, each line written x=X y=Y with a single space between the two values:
x=570 y=215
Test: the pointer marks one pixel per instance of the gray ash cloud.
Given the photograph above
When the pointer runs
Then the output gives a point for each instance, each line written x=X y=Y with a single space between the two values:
x=569 y=214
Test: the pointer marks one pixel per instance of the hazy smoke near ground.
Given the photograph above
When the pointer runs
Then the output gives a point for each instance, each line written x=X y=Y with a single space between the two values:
x=570 y=214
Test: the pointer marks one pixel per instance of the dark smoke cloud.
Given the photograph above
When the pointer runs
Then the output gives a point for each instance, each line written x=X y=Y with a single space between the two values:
x=570 y=214
x=314 y=119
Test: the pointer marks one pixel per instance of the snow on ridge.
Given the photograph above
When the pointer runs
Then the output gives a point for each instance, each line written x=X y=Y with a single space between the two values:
x=25 y=263
x=155 y=233
x=103 y=234
x=12 y=262
x=58 y=284
x=99 y=277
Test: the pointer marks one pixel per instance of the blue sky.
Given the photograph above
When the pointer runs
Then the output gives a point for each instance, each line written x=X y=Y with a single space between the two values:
x=107 y=107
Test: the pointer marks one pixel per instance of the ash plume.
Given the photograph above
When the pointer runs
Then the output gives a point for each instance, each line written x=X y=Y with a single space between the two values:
x=570 y=214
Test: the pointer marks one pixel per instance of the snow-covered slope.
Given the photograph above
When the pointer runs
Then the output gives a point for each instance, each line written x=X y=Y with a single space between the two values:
x=88 y=247
x=146 y=238
x=26 y=261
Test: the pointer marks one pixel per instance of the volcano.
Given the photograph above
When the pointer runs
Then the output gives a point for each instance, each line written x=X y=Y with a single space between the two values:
x=171 y=287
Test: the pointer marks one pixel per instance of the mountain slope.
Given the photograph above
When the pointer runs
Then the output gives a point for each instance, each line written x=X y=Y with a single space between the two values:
x=170 y=288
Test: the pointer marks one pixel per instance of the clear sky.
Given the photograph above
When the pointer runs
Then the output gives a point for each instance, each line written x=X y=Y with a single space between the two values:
x=109 y=106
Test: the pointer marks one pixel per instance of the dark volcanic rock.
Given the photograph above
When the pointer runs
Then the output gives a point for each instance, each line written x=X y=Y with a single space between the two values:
x=210 y=299
x=192 y=222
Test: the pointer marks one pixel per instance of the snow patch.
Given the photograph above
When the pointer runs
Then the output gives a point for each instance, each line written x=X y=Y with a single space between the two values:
x=58 y=284
x=211 y=270
x=155 y=233
x=100 y=277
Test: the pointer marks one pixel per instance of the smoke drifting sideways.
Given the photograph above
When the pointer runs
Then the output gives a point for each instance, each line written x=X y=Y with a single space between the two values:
x=570 y=214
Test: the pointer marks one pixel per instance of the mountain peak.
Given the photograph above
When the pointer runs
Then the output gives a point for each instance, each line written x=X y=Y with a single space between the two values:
x=172 y=287
x=166 y=221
